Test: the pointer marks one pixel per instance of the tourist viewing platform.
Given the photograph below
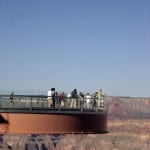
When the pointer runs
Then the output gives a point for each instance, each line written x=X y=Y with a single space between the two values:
x=59 y=113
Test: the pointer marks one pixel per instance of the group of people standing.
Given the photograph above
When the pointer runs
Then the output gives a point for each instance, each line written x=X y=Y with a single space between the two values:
x=75 y=100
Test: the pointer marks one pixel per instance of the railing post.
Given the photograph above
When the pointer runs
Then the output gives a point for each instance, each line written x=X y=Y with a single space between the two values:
x=58 y=103
x=81 y=103
x=31 y=104
x=19 y=102
x=0 y=102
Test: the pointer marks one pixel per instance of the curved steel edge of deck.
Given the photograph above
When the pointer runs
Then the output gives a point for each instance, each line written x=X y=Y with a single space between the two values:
x=47 y=123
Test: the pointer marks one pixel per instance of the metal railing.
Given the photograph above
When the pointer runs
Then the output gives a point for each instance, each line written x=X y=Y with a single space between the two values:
x=42 y=102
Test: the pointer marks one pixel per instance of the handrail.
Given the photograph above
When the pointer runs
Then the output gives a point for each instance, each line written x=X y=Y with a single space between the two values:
x=6 y=95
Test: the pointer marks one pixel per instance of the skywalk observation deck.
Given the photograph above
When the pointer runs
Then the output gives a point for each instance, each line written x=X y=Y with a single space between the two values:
x=27 y=114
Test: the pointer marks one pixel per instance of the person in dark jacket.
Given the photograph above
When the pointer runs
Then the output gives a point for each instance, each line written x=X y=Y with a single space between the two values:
x=11 y=97
x=74 y=96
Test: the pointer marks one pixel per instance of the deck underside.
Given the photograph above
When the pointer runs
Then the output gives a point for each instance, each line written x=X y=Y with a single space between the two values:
x=45 y=123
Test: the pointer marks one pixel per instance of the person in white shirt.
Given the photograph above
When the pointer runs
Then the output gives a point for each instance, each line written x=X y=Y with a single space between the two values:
x=49 y=98
x=88 y=100
x=68 y=99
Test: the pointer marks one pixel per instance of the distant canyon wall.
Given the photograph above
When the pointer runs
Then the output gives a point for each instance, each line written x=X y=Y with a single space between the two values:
x=128 y=107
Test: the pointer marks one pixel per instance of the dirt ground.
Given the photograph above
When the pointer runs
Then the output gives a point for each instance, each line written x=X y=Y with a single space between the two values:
x=122 y=135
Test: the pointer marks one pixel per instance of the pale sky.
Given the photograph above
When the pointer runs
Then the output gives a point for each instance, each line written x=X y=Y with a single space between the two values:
x=82 y=44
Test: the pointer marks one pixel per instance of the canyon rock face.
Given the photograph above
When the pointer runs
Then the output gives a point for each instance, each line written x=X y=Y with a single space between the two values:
x=128 y=108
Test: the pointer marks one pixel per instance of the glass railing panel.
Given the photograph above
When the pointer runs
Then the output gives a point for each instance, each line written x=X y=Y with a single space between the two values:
x=41 y=102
